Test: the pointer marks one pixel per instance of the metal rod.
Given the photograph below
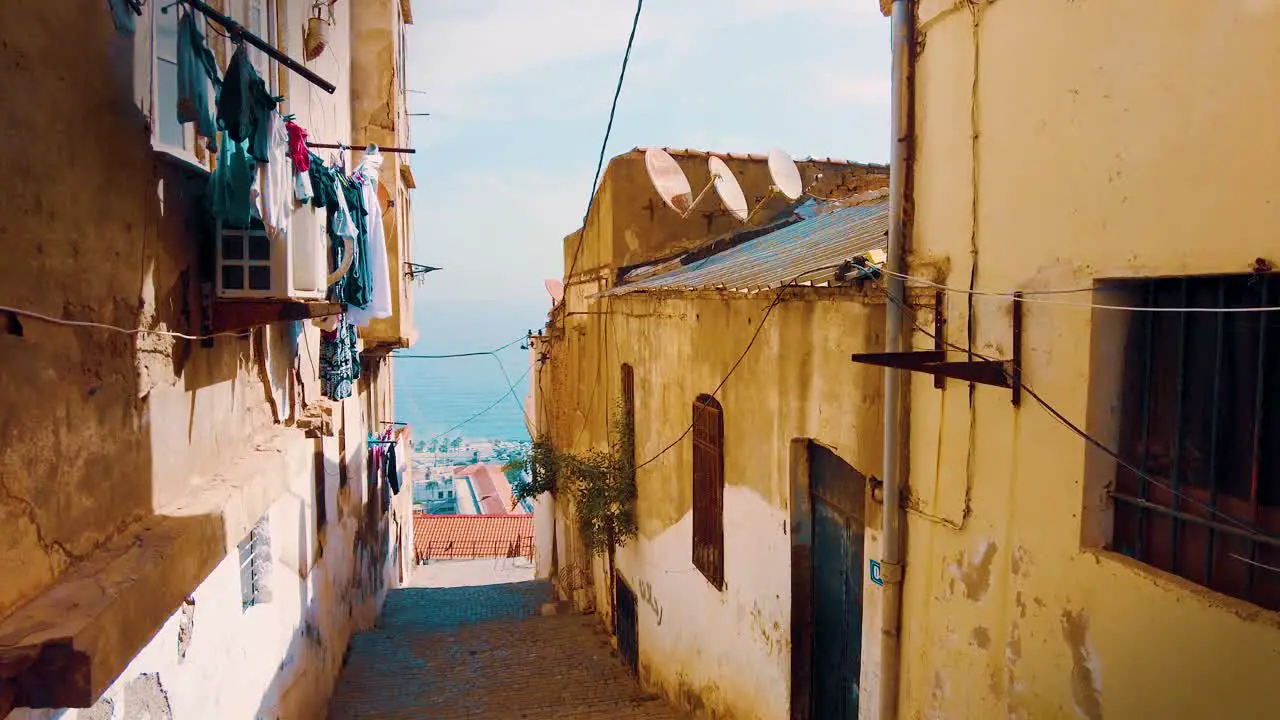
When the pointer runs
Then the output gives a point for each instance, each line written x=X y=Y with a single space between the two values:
x=393 y=423
x=939 y=332
x=1258 y=408
x=238 y=31
x=1016 y=361
x=1213 y=424
x=1177 y=420
x=1188 y=517
x=1150 y=331
x=335 y=146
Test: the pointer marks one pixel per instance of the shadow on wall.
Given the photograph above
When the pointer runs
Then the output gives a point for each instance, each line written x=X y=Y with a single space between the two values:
x=342 y=582
x=106 y=232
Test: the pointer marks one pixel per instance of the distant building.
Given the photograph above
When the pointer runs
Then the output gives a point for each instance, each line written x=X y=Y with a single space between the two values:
x=437 y=496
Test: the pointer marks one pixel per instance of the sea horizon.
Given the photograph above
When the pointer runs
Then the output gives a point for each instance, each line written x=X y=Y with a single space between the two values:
x=438 y=396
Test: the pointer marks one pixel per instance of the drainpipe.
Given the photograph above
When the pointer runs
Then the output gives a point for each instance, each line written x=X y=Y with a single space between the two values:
x=891 y=562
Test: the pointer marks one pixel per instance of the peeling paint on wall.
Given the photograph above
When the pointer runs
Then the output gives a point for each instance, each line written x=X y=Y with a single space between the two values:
x=974 y=575
x=1086 y=678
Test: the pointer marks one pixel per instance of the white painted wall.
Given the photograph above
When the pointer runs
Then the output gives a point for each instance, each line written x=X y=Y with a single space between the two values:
x=544 y=518
x=732 y=648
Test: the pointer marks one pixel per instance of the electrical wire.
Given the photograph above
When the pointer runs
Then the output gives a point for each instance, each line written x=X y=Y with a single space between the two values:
x=1084 y=435
x=105 y=326
x=617 y=91
x=759 y=327
x=477 y=353
x=493 y=405
x=1028 y=297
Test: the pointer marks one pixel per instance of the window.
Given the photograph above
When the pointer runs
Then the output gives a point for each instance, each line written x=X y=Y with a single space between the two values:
x=629 y=406
x=1201 y=419
x=169 y=133
x=259 y=17
x=255 y=566
x=708 y=489
x=321 y=493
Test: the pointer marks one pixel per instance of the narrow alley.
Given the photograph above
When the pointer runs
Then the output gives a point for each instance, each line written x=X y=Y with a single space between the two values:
x=486 y=652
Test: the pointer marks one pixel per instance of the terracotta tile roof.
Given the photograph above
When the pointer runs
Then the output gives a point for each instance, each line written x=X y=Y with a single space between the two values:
x=472 y=536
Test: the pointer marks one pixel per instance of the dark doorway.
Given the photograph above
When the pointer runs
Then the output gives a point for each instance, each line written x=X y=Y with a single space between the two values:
x=828 y=520
x=626 y=624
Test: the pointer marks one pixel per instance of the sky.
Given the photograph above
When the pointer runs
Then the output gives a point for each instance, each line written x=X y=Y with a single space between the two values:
x=518 y=93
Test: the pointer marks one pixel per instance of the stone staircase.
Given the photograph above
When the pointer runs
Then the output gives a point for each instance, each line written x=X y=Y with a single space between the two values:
x=492 y=651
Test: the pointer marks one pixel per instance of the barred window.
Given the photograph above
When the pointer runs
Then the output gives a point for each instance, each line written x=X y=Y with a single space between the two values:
x=708 y=489
x=255 y=566
x=1201 y=421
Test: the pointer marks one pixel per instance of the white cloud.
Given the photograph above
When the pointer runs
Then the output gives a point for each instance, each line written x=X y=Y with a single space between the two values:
x=462 y=53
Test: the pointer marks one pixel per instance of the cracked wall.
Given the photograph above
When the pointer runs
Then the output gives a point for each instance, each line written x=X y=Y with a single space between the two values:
x=1051 y=142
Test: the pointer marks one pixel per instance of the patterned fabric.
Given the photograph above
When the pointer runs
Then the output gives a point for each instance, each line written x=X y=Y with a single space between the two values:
x=339 y=361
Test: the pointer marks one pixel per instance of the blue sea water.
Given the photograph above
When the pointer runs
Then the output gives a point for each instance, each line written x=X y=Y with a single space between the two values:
x=435 y=396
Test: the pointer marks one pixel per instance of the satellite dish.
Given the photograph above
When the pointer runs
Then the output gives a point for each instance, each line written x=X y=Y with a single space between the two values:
x=668 y=179
x=785 y=174
x=727 y=188
x=555 y=289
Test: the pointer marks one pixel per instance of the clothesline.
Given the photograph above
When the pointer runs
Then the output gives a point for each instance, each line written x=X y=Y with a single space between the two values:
x=335 y=146
x=238 y=31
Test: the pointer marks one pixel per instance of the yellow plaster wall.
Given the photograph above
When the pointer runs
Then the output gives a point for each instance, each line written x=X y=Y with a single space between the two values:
x=725 y=654
x=378 y=109
x=107 y=438
x=1069 y=141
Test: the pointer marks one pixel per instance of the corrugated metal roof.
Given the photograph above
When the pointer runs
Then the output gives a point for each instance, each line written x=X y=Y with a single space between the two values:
x=808 y=248
x=691 y=152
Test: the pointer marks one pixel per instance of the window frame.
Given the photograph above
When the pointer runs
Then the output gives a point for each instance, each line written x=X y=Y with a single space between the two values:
x=255 y=565
x=708 y=489
x=269 y=69
x=185 y=152
x=1189 y=402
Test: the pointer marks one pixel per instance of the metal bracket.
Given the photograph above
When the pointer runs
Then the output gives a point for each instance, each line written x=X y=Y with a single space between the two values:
x=998 y=373
x=413 y=271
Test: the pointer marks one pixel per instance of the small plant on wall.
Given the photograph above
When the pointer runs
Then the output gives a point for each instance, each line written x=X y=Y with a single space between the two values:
x=602 y=483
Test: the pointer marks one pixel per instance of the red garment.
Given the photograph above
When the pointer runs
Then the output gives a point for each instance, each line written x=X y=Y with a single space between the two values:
x=298 y=151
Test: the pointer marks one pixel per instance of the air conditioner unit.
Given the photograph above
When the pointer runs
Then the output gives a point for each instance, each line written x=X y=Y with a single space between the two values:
x=253 y=263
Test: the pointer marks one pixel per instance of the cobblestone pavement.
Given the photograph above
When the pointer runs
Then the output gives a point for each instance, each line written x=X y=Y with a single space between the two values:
x=486 y=652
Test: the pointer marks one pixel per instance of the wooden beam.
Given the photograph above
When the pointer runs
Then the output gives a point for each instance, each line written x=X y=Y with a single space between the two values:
x=236 y=315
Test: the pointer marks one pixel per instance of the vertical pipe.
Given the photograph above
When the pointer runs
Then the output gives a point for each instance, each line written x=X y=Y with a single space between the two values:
x=902 y=30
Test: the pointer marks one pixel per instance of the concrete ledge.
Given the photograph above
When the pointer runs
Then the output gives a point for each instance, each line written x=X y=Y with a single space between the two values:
x=68 y=644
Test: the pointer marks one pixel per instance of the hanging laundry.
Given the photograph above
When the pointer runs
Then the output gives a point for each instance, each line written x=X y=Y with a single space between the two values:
x=197 y=71
x=276 y=189
x=359 y=287
x=389 y=469
x=343 y=223
x=339 y=361
x=366 y=176
x=231 y=185
x=322 y=185
x=298 y=151
x=245 y=106
x=124 y=14
x=302 y=191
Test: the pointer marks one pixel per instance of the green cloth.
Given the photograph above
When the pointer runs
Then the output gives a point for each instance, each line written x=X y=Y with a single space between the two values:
x=230 y=185
x=245 y=106
x=197 y=70
x=359 y=288
x=124 y=14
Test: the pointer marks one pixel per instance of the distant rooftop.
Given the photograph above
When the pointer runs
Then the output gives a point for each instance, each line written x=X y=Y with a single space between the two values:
x=472 y=536
x=806 y=249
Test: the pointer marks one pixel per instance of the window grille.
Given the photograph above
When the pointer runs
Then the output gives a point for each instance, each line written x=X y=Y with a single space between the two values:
x=1201 y=417
x=708 y=489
